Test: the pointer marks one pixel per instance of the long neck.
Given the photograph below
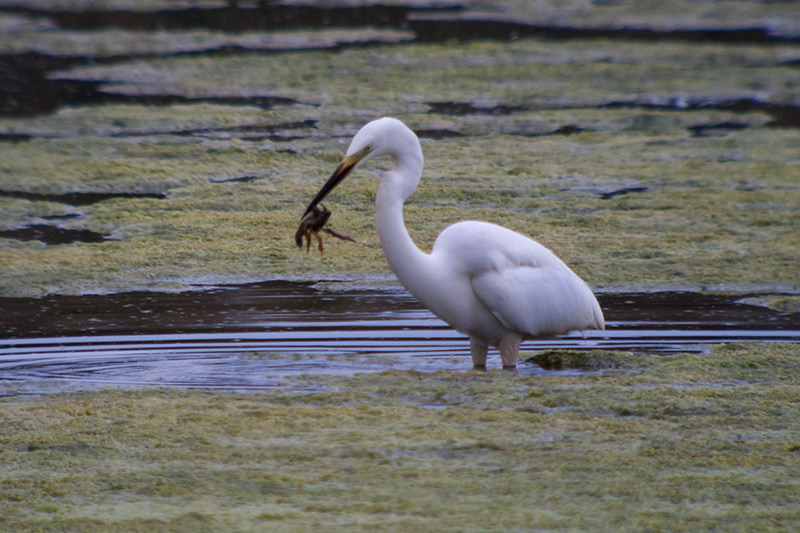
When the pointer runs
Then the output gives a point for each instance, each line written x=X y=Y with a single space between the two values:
x=407 y=261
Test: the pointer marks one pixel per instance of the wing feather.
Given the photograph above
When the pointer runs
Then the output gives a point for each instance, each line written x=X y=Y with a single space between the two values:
x=525 y=286
x=538 y=301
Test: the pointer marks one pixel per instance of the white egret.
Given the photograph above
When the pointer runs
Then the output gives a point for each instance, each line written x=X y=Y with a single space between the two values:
x=495 y=285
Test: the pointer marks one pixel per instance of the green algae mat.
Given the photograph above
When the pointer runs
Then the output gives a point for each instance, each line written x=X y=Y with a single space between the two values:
x=159 y=159
x=651 y=145
x=668 y=443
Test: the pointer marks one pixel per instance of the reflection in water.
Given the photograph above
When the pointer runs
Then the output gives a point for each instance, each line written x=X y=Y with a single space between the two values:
x=258 y=336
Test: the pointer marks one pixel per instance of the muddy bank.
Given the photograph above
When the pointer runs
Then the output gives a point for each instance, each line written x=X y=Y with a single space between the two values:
x=267 y=17
x=52 y=235
x=783 y=115
x=251 y=307
x=263 y=336
x=431 y=21
x=471 y=26
x=29 y=89
x=77 y=198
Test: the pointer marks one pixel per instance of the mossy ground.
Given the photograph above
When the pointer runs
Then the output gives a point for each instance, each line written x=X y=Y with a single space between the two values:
x=684 y=442
x=718 y=210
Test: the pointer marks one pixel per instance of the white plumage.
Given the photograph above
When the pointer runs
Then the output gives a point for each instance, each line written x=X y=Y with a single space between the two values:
x=493 y=284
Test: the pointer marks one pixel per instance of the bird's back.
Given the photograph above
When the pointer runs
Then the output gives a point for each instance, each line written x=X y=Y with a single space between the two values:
x=481 y=246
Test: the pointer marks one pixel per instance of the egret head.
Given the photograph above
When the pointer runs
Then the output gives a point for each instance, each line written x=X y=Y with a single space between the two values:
x=384 y=136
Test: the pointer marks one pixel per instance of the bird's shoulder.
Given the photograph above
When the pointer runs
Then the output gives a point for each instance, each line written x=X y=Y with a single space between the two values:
x=477 y=247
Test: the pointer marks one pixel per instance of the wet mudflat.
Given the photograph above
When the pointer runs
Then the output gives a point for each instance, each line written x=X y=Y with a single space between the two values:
x=649 y=144
x=260 y=336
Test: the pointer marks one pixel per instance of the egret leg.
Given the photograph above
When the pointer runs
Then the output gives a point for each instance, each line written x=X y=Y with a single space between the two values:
x=509 y=350
x=478 y=351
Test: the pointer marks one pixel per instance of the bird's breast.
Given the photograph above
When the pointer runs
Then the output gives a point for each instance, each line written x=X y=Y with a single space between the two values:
x=451 y=298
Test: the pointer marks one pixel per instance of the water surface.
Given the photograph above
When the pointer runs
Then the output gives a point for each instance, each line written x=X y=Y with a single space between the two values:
x=265 y=335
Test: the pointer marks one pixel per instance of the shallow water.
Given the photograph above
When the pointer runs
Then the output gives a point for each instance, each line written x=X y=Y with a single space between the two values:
x=266 y=335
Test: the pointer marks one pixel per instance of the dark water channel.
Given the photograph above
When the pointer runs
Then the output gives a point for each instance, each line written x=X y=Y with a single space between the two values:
x=258 y=336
